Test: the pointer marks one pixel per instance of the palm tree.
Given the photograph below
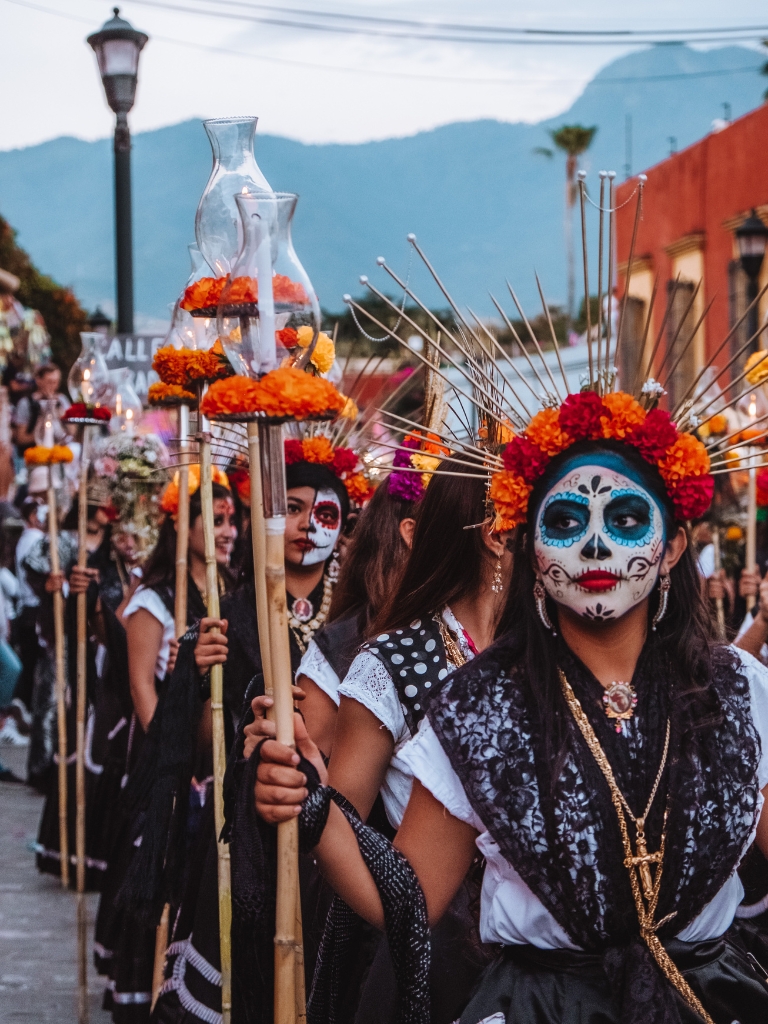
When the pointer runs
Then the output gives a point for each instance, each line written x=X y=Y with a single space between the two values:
x=573 y=140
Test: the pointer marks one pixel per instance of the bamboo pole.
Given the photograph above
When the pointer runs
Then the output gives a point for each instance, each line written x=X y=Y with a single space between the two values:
x=751 y=553
x=180 y=621
x=219 y=746
x=82 y=683
x=718 y=566
x=258 y=535
x=61 y=682
x=287 y=939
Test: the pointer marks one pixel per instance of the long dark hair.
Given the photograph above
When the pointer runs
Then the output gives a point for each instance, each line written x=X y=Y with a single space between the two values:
x=375 y=558
x=161 y=564
x=685 y=635
x=446 y=560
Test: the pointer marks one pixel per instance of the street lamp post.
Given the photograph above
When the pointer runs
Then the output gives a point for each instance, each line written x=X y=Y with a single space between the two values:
x=751 y=238
x=117 y=46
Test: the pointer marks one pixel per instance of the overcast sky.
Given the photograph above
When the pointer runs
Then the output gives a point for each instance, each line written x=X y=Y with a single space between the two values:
x=315 y=86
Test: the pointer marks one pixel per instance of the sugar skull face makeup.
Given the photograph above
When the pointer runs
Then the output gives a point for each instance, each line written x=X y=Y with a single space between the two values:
x=324 y=527
x=599 y=540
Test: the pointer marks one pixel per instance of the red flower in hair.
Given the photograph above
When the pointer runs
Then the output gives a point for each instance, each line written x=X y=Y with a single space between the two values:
x=524 y=458
x=654 y=436
x=344 y=461
x=693 y=496
x=580 y=416
x=294 y=452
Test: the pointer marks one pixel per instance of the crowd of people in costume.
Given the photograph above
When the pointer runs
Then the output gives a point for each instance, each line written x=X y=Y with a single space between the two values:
x=528 y=776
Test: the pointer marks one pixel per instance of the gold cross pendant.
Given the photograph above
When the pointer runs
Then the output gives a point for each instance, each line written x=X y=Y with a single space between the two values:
x=642 y=862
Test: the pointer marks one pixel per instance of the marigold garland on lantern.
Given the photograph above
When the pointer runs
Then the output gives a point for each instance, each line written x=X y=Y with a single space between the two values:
x=285 y=393
x=187 y=367
x=681 y=458
x=343 y=462
x=161 y=393
x=38 y=455
x=203 y=296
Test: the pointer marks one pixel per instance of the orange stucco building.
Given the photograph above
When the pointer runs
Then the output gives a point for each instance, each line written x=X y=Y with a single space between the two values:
x=694 y=202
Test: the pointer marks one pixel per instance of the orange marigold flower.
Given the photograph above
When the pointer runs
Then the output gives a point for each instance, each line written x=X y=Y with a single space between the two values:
x=687 y=457
x=60 y=453
x=318 y=449
x=509 y=494
x=358 y=488
x=751 y=434
x=717 y=424
x=170 y=500
x=231 y=396
x=169 y=365
x=626 y=414
x=201 y=365
x=168 y=394
x=203 y=294
x=502 y=525
x=544 y=430
x=299 y=395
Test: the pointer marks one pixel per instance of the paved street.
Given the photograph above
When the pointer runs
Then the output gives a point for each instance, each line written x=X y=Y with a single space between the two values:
x=38 y=934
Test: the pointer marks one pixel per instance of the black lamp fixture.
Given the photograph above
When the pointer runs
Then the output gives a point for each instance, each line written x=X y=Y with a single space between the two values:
x=752 y=239
x=117 y=46
x=99 y=322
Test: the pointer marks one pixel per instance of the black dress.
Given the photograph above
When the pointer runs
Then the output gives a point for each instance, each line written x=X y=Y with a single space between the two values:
x=110 y=732
x=192 y=989
x=125 y=939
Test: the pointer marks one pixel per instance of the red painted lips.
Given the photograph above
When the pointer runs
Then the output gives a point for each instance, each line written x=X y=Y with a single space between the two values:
x=597 y=580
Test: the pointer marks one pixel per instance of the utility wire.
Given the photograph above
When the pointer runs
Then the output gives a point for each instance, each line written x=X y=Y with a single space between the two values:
x=461 y=80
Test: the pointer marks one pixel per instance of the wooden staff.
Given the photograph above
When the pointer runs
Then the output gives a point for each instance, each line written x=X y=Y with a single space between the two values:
x=751 y=553
x=258 y=536
x=82 y=685
x=288 y=997
x=718 y=566
x=180 y=621
x=219 y=744
x=61 y=682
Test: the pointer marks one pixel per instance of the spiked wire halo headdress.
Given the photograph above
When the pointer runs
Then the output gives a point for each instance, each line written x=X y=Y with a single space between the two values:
x=527 y=411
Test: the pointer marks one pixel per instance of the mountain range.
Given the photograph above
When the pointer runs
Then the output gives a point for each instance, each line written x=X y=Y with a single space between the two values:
x=483 y=202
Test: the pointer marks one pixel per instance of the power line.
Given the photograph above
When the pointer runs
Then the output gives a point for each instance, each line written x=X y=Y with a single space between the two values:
x=526 y=39
x=413 y=76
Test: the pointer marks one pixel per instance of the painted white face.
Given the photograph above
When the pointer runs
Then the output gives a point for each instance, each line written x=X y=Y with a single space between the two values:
x=324 y=527
x=599 y=541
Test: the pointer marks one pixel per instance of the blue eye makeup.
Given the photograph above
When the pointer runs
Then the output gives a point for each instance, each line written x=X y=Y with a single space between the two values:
x=628 y=518
x=565 y=519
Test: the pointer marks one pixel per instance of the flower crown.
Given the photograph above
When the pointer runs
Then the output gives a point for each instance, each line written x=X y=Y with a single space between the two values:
x=342 y=462
x=170 y=501
x=681 y=459
x=426 y=455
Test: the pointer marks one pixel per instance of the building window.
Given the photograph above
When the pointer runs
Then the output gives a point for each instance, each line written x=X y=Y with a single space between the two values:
x=738 y=283
x=631 y=355
x=679 y=362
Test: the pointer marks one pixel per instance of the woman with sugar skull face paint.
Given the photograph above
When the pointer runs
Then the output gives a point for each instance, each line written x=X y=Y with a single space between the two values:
x=607 y=757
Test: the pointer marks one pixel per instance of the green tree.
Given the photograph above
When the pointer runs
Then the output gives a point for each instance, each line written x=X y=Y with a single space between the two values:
x=573 y=140
x=64 y=316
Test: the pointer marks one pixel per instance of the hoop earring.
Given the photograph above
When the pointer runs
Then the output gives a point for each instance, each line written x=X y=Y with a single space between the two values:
x=665 y=585
x=497 y=584
x=540 y=595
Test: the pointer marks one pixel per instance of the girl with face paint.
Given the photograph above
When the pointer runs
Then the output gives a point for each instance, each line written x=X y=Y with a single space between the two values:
x=446 y=607
x=504 y=763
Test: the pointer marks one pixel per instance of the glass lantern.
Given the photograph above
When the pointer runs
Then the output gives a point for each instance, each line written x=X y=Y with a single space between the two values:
x=269 y=314
x=194 y=314
x=49 y=430
x=125 y=405
x=235 y=171
x=88 y=380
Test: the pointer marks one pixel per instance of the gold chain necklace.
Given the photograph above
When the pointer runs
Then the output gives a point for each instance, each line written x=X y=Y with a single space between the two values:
x=452 y=649
x=645 y=888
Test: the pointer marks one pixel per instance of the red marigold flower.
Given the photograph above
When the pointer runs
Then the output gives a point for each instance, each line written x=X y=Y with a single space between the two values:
x=580 y=416
x=294 y=452
x=344 y=461
x=693 y=496
x=654 y=436
x=524 y=458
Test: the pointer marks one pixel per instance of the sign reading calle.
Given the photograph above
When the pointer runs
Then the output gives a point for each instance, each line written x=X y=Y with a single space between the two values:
x=136 y=351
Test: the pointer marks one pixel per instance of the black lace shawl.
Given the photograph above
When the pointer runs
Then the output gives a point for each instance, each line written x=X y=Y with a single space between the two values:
x=562 y=836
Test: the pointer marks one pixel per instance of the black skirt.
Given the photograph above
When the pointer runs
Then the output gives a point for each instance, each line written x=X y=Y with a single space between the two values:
x=527 y=985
